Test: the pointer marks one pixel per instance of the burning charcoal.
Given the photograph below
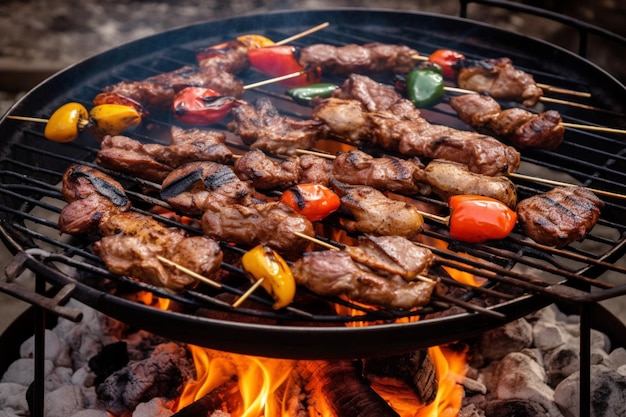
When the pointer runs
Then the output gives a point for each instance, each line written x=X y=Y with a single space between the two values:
x=512 y=337
x=56 y=350
x=112 y=358
x=517 y=408
x=65 y=401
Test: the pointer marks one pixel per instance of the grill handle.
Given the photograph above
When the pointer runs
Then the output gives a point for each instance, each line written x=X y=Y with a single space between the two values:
x=53 y=304
x=583 y=28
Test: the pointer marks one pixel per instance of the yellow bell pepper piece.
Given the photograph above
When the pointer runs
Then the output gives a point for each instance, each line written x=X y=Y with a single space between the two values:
x=261 y=262
x=66 y=122
x=112 y=119
x=255 y=41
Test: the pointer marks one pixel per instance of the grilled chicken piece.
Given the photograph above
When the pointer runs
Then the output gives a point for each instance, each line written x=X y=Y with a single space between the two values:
x=132 y=242
x=522 y=127
x=387 y=173
x=272 y=224
x=159 y=90
x=560 y=216
x=262 y=127
x=416 y=137
x=370 y=58
x=394 y=255
x=450 y=178
x=92 y=196
x=499 y=78
x=194 y=186
x=375 y=213
x=335 y=273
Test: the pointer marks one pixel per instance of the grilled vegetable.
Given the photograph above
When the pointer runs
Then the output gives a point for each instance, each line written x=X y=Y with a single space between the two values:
x=66 y=122
x=303 y=95
x=424 y=84
x=112 y=119
x=255 y=41
x=476 y=219
x=446 y=59
x=314 y=201
x=261 y=262
x=202 y=106
x=275 y=61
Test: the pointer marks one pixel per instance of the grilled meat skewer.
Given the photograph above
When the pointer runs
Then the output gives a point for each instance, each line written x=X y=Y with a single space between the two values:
x=522 y=127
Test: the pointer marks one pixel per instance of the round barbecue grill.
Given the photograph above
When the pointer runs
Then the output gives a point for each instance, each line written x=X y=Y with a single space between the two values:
x=519 y=276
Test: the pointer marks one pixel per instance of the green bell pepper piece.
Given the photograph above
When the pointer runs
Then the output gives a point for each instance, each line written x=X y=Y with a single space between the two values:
x=303 y=95
x=424 y=85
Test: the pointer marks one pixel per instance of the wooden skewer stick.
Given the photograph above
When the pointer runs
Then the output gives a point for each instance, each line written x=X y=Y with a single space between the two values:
x=333 y=247
x=540 y=85
x=248 y=293
x=189 y=272
x=303 y=33
x=594 y=128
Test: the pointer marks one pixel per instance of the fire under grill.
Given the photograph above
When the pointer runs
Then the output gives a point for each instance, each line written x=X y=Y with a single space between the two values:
x=518 y=276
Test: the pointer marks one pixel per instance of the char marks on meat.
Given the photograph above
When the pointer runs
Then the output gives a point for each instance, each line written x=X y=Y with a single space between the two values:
x=522 y=127
x=271 y=223
x=560 y=216
x=370 y=58
x=194 y=186
x=262 y=127
x=230 y=56
x=499 y=78
x=335 y=273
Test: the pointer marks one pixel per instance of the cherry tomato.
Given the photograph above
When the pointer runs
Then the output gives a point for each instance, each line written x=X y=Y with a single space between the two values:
x=275 y=61
x=314 y=201
x=446 y=59
x=202 y=106
x=476 y=218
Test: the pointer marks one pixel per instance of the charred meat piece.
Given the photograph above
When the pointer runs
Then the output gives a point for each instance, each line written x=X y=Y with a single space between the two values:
x=315 y=169
x=265 y=173
x=387 y=173
x=560 y=216
x=371 y=58
x=522 y=127
x=376 y=214
x=230 y=56
x=132 y=243
x=159 y=90
x=192 y=187
x=450 y=178
x=499 y=78
x=92 y=196
x=262 y=127
x=272 y=224
x=416 y=137
x=392 y=255
x=335 y=273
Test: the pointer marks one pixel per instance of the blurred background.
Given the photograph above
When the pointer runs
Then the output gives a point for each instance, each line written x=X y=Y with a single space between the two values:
x=41 y=37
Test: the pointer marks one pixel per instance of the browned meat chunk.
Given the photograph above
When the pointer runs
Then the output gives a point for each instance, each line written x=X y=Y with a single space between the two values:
x=315 y=169
x=265 y=173
x=560 y=216
x=375 y=213
x=499 y=78
x=371 y=58
x=387 y=173
x=335 y=273
x=231 y=56
x=194 y=186
x=522 y=127
x=272 y=224
x=262 y=127
x=92 y=196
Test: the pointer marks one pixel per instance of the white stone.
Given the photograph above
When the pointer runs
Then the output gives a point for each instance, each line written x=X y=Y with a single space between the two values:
x=63 y=402
x=156 y=407
x=618 y=357
x=83 y=377
x=22 y=371
x=13 y=397
x=59 y=377
x=550 y=335
x=91 y=413
x=55 y=350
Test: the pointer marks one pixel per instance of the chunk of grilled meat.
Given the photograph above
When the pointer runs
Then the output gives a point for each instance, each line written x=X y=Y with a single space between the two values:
x=450 y=178
x=262 y=127
x=335 y=273
x=132 y=243
x=194 y=186
x=403 y=176
x=499 y=78
x=416 y=137
x=230 y=56
x=92 y=196
x=522 y=127
x=392 y=255
x=376 y=214
x=560 y=216
x=159 y=90
x=271 y=223
x=153 y=161
x=370 y=58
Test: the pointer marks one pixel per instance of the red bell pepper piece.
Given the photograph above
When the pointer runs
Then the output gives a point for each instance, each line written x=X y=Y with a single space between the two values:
x=446 y=59
x=275 y=61
x=202 y=106
x=314 y=201
x=475 y=218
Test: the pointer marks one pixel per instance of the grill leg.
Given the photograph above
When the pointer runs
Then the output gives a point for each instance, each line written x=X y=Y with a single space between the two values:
x=585 y=360
x=37 y=398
